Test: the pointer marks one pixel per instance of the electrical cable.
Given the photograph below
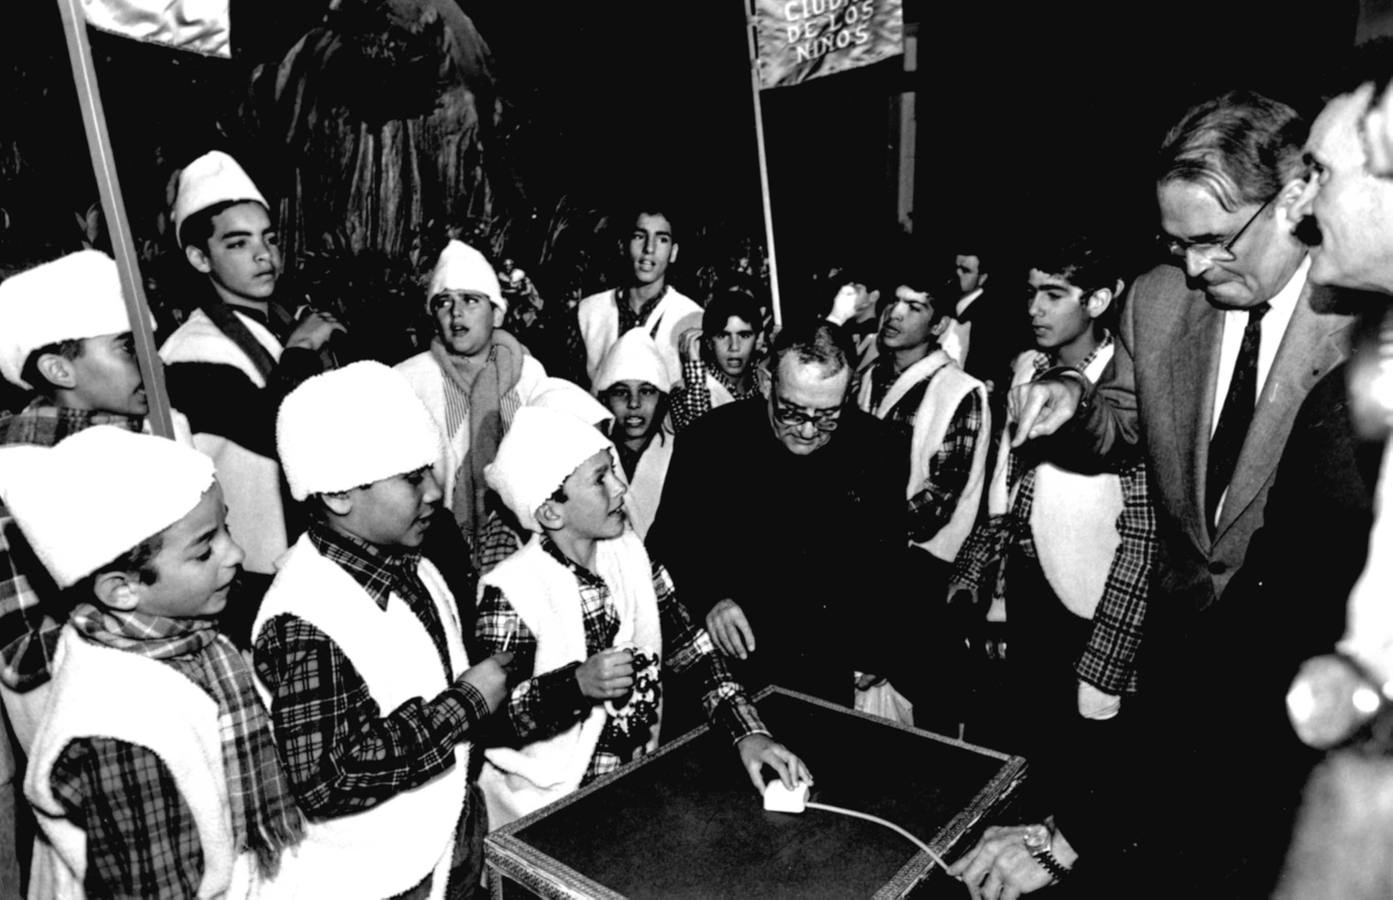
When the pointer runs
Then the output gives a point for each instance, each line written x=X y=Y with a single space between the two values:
x=879 y=821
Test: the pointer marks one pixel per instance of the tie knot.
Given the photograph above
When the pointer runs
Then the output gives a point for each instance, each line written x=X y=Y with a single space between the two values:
x=1255 y=313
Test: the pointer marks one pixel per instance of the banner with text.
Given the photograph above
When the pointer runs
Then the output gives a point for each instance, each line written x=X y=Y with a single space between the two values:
x=802 y=39
x=199 y=26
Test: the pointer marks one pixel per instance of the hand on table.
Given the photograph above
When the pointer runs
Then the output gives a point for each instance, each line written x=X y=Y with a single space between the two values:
x=760 y=750
x=999 y=867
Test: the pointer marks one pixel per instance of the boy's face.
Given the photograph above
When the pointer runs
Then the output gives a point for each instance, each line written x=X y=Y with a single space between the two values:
x=394 y=512
x=196 y=565
x=465 y=321
x=635 y=408
x=594 y=506
x=651 y=247
x=908 y=320
x=106 y=377
x=733 y=346
x=243 y=256
x=1057 y=311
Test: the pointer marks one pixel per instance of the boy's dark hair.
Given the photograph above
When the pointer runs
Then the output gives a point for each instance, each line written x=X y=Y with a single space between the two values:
x=816 y=342
x=653 y=207
x=1085 y=261
x=727 y=305
x=197 y=229
x=135 y=561
x=69 y=349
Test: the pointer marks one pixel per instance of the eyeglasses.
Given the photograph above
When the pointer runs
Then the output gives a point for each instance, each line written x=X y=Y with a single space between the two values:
x=795 y=417
x=1211 y=249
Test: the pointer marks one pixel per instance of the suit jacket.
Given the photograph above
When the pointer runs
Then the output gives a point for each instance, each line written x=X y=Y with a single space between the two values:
x=1000 y=332
x=1158 y=398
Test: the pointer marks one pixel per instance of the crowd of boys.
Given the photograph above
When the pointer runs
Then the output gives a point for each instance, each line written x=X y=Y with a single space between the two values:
x=1037 y=512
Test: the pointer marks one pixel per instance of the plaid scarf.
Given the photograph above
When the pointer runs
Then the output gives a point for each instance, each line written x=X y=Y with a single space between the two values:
x=265 y=818
x=44 y=424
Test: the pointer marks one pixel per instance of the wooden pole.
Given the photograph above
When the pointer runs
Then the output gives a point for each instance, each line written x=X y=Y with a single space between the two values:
x=113 y=206
x=763 y=168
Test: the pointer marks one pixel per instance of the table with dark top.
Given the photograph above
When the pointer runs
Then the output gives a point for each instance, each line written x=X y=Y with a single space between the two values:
x=685 y=821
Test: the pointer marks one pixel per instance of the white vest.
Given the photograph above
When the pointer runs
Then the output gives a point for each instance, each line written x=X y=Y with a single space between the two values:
x=546 y=596
x=599 y=326
x=1073 y=517
x=646 y=490
x=426 y=379
x=948 y=385
x=392 y=846
x=251 y=483
x=105 y=693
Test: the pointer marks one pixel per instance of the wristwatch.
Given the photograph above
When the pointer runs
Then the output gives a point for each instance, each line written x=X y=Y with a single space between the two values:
x=1037 y=839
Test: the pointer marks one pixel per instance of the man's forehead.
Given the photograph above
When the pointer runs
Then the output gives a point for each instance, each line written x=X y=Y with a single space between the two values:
x=809 y=384
x=245 y=216
x=1335 y=133
x=738 y=323
x=911 y=295
x=657 y=223
x=459 y=293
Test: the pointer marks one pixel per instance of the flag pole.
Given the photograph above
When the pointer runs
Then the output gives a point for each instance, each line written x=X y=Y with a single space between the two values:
x=113 y=206
x=751 y=24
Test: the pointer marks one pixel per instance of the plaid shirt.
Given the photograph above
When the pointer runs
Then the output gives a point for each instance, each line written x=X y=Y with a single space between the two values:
x=550 y=702
x=932 y=505
x=28 y=630
x=1108 y=660
x=142 y=839
x=691 y=400
x=341 y=753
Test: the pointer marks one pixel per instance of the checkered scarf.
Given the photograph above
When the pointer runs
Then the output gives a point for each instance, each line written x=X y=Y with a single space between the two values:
x=265 y=818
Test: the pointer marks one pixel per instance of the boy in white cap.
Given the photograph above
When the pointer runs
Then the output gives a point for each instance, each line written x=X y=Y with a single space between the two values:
x=359 y=650
x=472 y=379
x=633 y=383
x=153 y=772
x=591 y=621
x=65 y=334
x=237 y=354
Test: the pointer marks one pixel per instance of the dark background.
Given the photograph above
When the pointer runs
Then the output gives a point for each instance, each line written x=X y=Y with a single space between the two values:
x=1031 y=117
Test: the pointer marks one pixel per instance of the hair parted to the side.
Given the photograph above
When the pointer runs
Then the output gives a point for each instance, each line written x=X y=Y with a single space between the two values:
x=197 y=229
x=1240 y=146
x=817 y=342
x=1086 y=261
x=727 y=305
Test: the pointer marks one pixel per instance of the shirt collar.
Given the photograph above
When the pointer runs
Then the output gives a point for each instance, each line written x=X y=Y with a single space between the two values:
x=374 y=569
x=581 y=572
x=966 y=301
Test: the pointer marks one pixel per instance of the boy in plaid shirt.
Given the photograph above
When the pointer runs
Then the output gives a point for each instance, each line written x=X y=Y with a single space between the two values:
x=153 y=771
x=359 y=650
x=593 y=622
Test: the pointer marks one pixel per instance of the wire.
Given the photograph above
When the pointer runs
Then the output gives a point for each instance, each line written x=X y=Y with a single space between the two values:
x=879 y=821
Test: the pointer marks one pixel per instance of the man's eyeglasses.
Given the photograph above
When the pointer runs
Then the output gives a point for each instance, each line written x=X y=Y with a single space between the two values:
x=1180 y=249
x=796 y=417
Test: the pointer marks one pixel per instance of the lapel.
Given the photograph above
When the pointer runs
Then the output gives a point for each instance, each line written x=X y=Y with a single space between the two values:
x=1314 y=343
x=1194 y=371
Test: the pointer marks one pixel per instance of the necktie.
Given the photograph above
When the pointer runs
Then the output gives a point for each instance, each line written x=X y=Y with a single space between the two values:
x=1236 y=415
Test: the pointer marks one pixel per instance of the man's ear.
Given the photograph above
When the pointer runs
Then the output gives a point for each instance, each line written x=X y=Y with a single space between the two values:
x=340 y=504
x=498 y=317
x=550 y=515
x=198 y=259
x=672 y=257
x=117 y=590
x=982 y=279
x=1289 y=206
x=58 y=370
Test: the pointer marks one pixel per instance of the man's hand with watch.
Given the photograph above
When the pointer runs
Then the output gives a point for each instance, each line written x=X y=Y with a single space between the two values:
x=1013 y=860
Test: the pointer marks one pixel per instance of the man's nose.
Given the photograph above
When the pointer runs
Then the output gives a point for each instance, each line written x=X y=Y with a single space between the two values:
x=633 y=401
x=1196 y=263
x=431 y=492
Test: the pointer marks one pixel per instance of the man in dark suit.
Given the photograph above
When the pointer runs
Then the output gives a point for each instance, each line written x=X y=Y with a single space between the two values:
x=1218 y=350
x=985 y=329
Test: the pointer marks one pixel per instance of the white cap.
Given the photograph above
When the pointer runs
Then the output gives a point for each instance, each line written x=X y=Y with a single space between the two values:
x=351 y=427
x=213 y=178
x=73 y=297
x=462 y=268
x=96 y=495
x=634 y=357
x=569 y=397
x=540 y=451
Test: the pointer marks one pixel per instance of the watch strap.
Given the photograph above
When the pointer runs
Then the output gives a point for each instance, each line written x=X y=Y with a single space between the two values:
x=1052 y=865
